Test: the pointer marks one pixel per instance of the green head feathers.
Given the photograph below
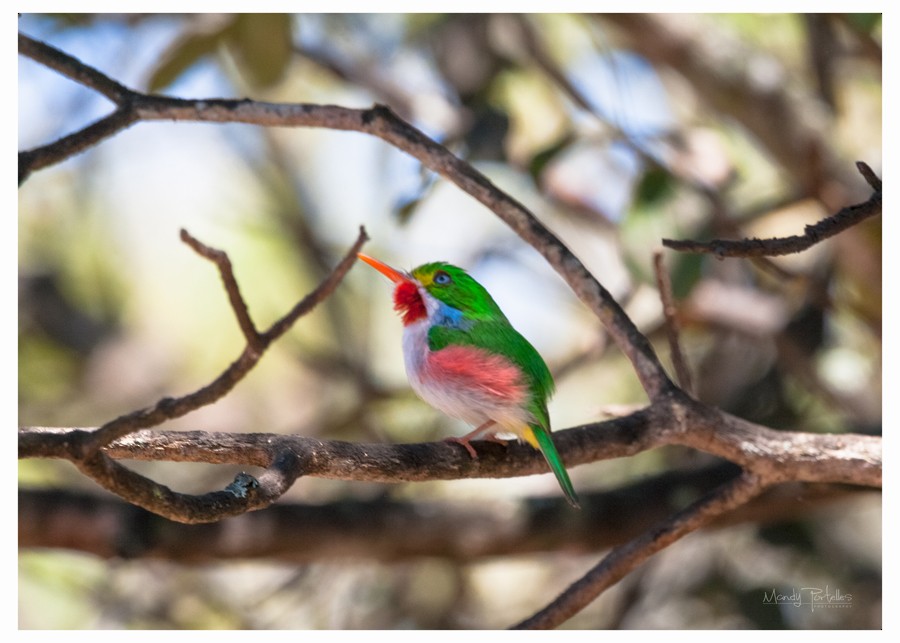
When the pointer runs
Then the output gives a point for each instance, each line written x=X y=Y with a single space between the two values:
x=454 y=287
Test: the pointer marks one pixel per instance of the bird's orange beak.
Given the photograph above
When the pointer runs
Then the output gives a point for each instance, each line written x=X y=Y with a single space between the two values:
x=394 y=275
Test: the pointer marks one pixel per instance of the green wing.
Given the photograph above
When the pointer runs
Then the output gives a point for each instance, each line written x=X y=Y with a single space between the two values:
x=501 y=338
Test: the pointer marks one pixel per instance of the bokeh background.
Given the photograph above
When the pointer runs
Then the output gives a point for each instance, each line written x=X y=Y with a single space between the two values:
x=610 y=133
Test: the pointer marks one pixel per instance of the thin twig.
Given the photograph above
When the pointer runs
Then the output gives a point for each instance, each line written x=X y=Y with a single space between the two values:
x=74 y=69
x=869 y=175
x=74 y=143
x=778 y=246
x=726 y=222
x=813 y=234
x=238 y=305
x=670 y=314
x=169 y=408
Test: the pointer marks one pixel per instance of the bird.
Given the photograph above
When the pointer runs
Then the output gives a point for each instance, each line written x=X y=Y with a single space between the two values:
x=463 y=357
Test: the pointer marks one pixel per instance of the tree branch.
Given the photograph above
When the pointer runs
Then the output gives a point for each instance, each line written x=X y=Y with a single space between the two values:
x=83 y=448
x=169 y=408
x=254 y=342
x=778 y=456
x=670 y=314
x=74 y=69
x=367 y=529
x=813 y=234
x=244 y=494
x=622 y=560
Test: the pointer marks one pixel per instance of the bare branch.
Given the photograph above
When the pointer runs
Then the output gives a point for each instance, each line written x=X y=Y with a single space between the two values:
x=85 y=138
x=238 y=305
x=74 y=69
x=869 y=175
x=83 y=448
x=75 y=143
x=244 y=494
x=170 y=408
x=813 y=234
x=777 y=456
x=367 y=529
x=670 y=313
x=622 y=560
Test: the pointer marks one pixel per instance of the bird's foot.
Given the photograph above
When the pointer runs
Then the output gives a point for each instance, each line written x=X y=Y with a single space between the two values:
x=483 y=432
x=466 y=441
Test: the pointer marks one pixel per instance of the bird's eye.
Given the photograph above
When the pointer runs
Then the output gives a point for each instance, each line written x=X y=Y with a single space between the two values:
x=441 y=278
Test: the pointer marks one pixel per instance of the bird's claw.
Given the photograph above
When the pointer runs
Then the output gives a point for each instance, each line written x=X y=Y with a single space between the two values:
x=464 y=443
x=467 y=443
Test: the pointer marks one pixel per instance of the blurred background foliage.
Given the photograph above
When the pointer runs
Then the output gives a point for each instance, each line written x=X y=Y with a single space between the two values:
x=604 y=135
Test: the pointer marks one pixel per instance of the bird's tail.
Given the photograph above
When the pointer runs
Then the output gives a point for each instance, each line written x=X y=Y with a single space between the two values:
x=539 y=438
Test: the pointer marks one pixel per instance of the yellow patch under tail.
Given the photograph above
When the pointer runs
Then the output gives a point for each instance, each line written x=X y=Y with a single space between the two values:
x=529 y=436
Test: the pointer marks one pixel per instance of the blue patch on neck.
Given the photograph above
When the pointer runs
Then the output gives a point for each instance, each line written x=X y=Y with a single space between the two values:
x=451 y=317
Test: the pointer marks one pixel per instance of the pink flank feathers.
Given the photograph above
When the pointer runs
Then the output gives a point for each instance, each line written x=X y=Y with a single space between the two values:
x=478 y=371
x=474 y=386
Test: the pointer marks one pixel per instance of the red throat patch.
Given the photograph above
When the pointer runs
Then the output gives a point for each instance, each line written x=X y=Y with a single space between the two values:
x=408 y=302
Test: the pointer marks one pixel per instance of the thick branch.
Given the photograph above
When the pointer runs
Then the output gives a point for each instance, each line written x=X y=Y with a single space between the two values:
x=777 y=456
x=367 y=529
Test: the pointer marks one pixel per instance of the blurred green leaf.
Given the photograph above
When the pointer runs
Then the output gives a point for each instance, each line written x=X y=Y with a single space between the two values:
x=793 y=534
x=687 y=268
x=763 y=615
x=183 y=54
x=655 y=187
x=407 y=209
x=262 y=44
x=865 y=22
x=540 y=160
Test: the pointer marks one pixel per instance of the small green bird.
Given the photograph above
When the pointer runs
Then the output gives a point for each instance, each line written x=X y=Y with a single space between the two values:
x=464 y=358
